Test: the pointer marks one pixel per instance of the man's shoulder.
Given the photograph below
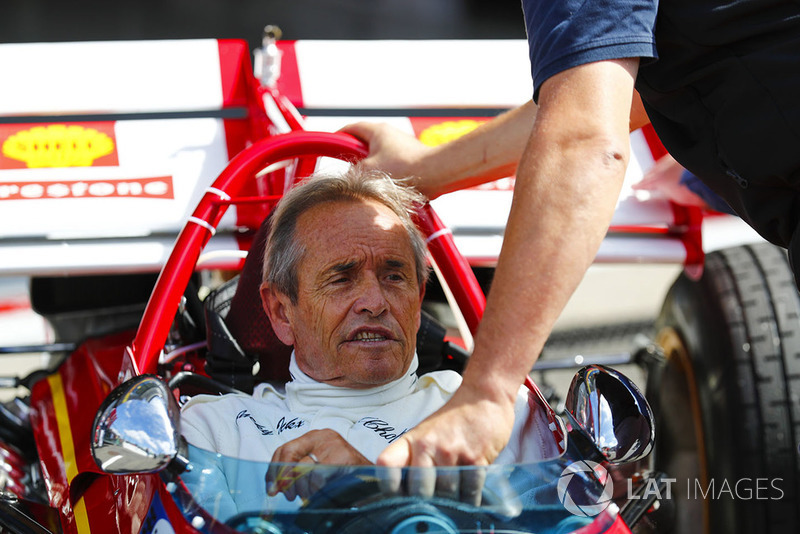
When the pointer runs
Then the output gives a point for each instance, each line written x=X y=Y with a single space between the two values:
x=569 y=33
x=447 y=381
x=263 y=393
x=209 y=402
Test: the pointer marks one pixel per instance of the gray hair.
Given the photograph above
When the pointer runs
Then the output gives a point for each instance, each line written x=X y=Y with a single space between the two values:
x=284 y=251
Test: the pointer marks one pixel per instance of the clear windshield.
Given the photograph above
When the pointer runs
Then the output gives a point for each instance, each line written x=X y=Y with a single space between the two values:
x=222 y=494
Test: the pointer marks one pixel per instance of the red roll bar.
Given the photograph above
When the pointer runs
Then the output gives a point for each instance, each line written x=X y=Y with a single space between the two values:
x=201 y=225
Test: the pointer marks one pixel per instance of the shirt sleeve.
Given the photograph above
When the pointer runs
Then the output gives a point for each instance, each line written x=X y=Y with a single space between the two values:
x=196 y=430
x=531 y=439
x=566 y=33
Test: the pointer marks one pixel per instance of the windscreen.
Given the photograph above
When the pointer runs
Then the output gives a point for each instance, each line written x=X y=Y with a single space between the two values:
x=222 y=494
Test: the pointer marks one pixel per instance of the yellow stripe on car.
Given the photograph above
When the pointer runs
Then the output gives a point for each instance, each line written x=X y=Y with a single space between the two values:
x=67 y=446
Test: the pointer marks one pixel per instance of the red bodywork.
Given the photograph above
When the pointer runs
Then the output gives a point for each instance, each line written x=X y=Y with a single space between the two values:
x=64 y=406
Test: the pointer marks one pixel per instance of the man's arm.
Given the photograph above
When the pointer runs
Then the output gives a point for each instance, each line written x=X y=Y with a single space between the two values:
x=488 y=153
x=568 y=181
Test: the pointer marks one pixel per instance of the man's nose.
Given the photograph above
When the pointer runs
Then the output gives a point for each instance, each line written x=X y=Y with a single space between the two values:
x=372 y=298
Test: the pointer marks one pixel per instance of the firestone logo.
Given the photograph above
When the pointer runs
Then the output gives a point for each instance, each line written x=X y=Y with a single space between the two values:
x=581 y=469
x=155 y=187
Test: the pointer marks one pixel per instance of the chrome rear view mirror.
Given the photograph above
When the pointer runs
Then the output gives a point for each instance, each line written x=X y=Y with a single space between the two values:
x=137 y=428
x=612 y=412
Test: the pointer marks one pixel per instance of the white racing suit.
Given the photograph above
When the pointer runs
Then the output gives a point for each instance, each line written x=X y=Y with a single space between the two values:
x=252 y=427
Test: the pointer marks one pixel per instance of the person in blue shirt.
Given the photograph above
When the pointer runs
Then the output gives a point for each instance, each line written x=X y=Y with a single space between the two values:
x=718 y=80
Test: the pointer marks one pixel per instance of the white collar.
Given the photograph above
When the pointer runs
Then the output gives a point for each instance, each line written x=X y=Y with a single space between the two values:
x=304 y=393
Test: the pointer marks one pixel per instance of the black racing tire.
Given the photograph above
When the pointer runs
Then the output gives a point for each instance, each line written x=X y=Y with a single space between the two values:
x=727 y=397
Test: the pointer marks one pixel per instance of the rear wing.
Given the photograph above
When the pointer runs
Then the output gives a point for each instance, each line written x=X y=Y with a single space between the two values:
x=107 y=146
x=440 y=89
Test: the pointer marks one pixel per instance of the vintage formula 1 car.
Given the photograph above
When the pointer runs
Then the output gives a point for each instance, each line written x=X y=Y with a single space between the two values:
x=114 y=147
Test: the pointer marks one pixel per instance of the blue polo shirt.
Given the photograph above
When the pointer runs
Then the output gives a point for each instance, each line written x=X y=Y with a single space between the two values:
x=722 y=96
x=566 y=33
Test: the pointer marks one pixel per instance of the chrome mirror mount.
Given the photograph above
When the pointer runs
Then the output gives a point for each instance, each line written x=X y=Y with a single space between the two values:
x=611 y=411
x=137 y=429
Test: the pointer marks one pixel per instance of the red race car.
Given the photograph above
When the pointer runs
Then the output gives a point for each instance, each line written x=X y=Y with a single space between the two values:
x=116 y=146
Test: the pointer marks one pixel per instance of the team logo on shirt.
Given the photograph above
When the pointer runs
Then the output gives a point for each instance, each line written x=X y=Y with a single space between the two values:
x=244 y=414
x=282 y=426
x=382 y=428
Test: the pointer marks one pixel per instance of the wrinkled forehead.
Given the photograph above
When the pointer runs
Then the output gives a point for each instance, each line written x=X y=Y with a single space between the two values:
x=353 y=231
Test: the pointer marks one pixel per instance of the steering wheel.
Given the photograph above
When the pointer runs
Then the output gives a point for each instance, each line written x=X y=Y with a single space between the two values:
x=353 y=504
x=252 y=523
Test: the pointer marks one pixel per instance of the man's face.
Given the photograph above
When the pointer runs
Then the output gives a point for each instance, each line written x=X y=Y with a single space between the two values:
x=358 y=308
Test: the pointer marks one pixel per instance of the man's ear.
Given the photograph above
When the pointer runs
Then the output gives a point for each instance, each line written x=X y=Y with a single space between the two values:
x=276 y=306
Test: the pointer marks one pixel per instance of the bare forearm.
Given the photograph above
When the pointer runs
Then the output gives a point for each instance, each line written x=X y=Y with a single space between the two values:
x=488 y=153
x=548 y=246
x=566 y=189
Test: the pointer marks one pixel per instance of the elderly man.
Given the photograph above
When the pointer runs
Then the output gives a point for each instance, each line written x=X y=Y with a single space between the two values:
x=344 y=277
